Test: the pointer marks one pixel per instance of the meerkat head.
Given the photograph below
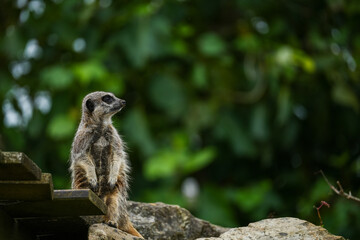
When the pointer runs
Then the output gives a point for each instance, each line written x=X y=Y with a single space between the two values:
x=100 y=106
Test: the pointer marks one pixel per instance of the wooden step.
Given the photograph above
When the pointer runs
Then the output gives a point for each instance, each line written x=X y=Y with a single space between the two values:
x=65 y=203
x=17 y=166
x=30 y=190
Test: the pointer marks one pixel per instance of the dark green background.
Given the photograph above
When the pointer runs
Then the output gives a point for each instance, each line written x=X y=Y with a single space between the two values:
x=249 y=99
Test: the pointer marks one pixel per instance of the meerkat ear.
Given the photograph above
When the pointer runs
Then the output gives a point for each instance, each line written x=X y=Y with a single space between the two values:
x=90 y=105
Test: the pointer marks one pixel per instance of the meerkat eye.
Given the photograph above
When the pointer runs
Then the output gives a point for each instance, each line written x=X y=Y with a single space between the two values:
x=108 y=99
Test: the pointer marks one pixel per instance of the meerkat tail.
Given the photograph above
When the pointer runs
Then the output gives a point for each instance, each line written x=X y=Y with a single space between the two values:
x=131 y=230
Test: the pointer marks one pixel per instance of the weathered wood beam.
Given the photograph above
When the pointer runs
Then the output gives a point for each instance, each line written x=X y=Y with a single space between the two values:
x=27 y=190
x=65 y=203
x=17 y=166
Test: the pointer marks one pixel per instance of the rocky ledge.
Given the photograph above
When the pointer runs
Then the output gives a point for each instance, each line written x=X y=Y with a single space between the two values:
x=165 y=222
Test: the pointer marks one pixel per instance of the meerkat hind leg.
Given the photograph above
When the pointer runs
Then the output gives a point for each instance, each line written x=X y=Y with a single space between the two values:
x=112 y=216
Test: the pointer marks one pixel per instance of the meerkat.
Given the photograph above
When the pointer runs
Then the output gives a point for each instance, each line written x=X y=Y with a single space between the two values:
x=98 y=158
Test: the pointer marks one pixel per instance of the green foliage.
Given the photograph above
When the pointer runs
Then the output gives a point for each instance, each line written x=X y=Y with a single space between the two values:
x=89 y=71
x=232 y=106
x=168 y=95
x=177 y=160
x=210 y=44
x=251 y=197
x=56 y=78
x=61 y=127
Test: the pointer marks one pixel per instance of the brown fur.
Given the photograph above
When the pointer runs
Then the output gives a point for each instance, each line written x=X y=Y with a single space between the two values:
x=99 y=161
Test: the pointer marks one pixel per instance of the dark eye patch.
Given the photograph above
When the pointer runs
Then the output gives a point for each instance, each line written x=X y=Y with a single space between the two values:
x=108 y=99
x=90 y=105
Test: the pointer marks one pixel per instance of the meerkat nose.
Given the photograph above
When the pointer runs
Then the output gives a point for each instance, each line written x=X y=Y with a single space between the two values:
x=123 y=102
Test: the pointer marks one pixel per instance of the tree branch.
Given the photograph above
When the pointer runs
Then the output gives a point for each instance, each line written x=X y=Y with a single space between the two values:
x=340 y=191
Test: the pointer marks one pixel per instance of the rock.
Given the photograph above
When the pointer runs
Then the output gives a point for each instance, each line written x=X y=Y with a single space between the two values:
x=102 y=231
x=163 y=221
x=156 y=221
x=277 y=228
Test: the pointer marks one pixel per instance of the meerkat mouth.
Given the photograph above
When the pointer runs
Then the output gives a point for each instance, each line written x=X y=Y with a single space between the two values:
x=118 y=106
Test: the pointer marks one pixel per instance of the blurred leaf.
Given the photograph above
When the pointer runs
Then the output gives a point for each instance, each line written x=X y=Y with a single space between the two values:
x=340 y=161
x=199 y=160
x=178 y=160
x=304 y=61
x=14 y=138
x=284 y=56
x=56 y=77
x=168 y=94
x=137 y=131
x=215 y=198
x=234 y=132
x=164 y=194
x=186 y=30
x=210 y=44
x=12 y=44
x=89 y=70
x=319 y=192
x=200 y=115
x=355 y=169
x=249 y=198
x=180 y=141
x=144 y=38
x=341 y=210
x=199 y=76
x=248 y=43
x=163 y=164
x=343 y=95
x=179 y=47
x=258 y=124
x=61 y=127
x=114 y=84
x=287 y=56
x=61 y=182
x=36 y=125
x=284 y=105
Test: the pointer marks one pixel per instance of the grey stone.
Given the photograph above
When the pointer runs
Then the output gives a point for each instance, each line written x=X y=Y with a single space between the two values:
x=156 y=221
x=101 y=231
x=164 y=222
x=286 y=228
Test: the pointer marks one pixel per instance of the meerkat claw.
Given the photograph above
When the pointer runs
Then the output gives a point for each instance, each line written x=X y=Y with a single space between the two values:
x=112 y=224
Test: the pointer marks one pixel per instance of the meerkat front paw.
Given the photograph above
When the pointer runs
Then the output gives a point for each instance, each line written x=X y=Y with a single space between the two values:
x=112 y=182
x=93 y=185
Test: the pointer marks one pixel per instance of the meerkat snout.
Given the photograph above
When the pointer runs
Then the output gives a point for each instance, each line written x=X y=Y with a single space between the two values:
x=118 y=105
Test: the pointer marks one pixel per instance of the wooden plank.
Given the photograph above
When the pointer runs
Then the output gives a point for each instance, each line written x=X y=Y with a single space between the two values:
x=17 y=166
x=65 y=203
x=27 y=190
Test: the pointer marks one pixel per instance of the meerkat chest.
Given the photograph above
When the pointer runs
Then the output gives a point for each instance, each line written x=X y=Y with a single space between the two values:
x=102 y=142
x=101 y=153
